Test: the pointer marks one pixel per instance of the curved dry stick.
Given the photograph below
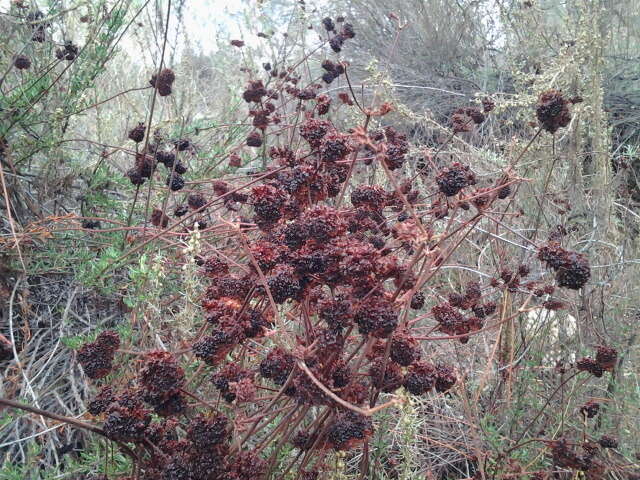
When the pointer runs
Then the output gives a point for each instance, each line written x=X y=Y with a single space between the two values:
x=65 y=420
x=54 y=416
x=10 y=218
x=367 y=412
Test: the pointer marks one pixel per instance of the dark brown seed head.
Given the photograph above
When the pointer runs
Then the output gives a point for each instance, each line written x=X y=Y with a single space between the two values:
x=590 y=409
x=161 y=373
x=21 y=62
x=607 y=441
x=552 y=111
x=137 y=133
x=254 y=139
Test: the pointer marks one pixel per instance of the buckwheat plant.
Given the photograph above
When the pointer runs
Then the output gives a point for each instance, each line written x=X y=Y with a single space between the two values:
x=325 y=300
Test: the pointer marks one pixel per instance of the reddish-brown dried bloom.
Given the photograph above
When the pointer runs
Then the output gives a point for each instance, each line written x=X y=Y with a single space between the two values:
x=161 y=373
x=591 y=448
x=369 y=196
x=504 y=192
x=101 y=401
x=167 y=404
x=235 y=160
x=322 y=223
x=451 y=321
x=552 y=254
x=267 y=254
x=606 y=357
x=348 y=31
x=163 y=81
x=220 y=187
x=180 y=168
x=554 y=305
x=246 y=466
x=175 y=182
x=207 y=432
x=244 y=390
x=482 y=197
x=305 y=93
x=484 y=310
x=166 y=158
x=552 y=111
x=212 y=348
x=329 y=77
x=109 y=339
x=356 y=393
x=333 y=148
x=445 y=378
x=572 y=268
x=461 y=122
x=323 y=102
x=196 y=201
x=488 y=104
x=215 y=266
x=464 y=118
x=341 y=375
x=183 y=144
x=336 y=312
x=328 y=24
x=137 y=133
x=159 y=218
x=254 y=92
x=336 y=43
x=96 y=358
x=590 y=409
x=377 y=317
x=145 y=164
x=230 y=374
x=68 y=52
x=283 y=283
x=21 y=62
x=237 y=43
x=471 y=294
x=348 y=429
x=574 y=272
x=305 y=391
x=277 y=365
x=181 y=210
x=454 y=178
x=345 y=98
x=590 y=365
x=314 y=130
x=126 y=424
x=405 y=349
x=393 y=378
x=267 y=201
x=420 y=378
x=254 y=139
x=564 y=456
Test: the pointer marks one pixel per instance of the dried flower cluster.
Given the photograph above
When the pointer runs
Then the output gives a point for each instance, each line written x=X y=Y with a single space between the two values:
x=572 y=268
x=605 y=361
x=163 y=81
x=96 y=357
x=320 y=312
x=553 y=111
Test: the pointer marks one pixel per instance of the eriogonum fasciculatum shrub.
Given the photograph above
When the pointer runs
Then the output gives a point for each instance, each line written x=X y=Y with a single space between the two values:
x=321 y=313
